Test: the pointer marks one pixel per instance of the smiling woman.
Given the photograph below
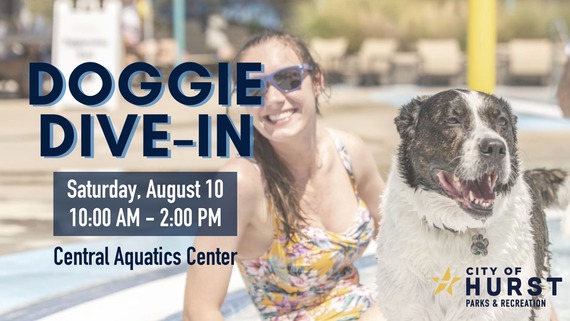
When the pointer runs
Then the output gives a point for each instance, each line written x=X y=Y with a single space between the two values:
x=307 y=202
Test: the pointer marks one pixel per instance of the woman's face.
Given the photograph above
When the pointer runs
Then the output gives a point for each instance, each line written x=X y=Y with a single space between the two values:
x=284 y=115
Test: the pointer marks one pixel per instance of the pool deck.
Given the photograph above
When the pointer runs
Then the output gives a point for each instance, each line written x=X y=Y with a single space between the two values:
x=32 y=287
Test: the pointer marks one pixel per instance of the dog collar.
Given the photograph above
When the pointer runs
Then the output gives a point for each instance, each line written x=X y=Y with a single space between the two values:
x=439 y=228
x=479 y=242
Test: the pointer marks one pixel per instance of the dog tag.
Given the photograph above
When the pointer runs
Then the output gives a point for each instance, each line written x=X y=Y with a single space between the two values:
x=479 y=245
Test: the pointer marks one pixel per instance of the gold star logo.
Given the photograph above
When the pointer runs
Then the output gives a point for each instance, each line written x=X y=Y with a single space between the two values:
x=445 y=282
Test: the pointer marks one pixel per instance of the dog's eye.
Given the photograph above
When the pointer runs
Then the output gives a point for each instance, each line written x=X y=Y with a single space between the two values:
x=502 y=121
x=452 y=121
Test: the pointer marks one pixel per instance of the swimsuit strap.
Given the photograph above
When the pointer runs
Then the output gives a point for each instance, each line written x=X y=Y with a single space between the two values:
x=344 y=157
x=253 y=162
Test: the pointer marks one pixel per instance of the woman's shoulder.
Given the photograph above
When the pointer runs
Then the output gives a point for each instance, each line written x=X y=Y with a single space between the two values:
x=357 y=150
x=240 y=164
x=353 y=143
x=249 y=178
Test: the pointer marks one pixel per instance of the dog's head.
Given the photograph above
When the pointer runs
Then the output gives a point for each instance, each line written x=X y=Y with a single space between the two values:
x=461 y=145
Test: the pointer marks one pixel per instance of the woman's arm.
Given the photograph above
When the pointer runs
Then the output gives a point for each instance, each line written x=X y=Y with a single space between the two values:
x=206 y=285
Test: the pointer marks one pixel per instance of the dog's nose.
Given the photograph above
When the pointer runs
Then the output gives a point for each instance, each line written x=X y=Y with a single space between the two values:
x=492 y=148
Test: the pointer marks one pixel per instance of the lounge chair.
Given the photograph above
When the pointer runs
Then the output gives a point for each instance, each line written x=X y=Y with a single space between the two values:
x=374 y=60
x=530 y=59
x=330 y=54
x=440 y=58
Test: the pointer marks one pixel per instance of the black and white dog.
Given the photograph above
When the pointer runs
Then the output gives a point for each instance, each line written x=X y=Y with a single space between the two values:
x=462 y=224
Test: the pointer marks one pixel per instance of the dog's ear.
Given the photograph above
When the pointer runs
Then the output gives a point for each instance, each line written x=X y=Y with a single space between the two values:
x=509 y=109
x=407 y=119
x=514 y=118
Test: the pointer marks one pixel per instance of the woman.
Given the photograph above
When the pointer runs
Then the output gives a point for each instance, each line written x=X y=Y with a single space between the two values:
x=307 y=203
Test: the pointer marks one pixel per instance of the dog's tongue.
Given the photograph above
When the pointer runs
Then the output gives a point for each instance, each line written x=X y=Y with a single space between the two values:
x=478 y=192
x=481 y=189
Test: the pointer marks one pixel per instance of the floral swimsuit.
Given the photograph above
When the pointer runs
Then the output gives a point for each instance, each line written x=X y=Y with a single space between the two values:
x=313 y=276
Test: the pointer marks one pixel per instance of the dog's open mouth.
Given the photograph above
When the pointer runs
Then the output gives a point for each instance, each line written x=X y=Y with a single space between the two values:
x=474 y=196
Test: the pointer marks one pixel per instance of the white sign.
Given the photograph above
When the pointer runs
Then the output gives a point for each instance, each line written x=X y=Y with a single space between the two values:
x=88 y=32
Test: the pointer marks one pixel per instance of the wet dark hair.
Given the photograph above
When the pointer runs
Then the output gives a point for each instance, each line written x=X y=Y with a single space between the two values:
x=280 y=188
